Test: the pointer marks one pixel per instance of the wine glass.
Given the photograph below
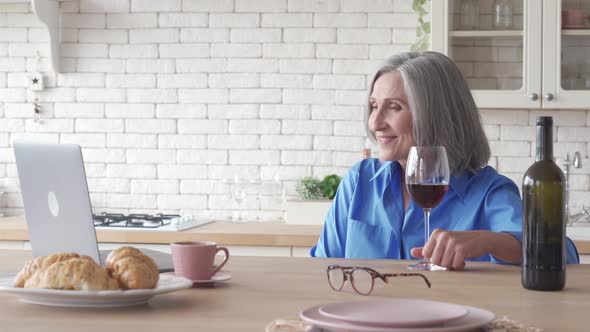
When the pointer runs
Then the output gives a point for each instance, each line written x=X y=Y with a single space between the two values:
x=427 y=180
x=238 y=194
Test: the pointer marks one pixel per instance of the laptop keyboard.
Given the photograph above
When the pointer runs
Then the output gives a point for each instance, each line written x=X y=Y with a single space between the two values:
x=163 y=260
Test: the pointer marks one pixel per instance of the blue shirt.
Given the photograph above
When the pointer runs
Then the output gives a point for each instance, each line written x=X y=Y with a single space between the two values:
x=367 y=219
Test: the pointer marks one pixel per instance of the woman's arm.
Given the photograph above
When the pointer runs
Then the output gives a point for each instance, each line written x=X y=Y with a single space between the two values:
x=506 y=247
x=498 y=233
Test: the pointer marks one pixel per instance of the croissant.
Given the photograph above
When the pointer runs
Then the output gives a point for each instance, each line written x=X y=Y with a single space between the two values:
x=40 y=262
x=80 y=273
x=132 y=269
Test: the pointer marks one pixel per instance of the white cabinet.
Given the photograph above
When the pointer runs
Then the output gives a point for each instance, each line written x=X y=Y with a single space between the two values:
x=535 y=64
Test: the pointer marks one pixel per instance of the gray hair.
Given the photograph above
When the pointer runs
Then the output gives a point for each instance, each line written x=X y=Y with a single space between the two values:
x=443 y=110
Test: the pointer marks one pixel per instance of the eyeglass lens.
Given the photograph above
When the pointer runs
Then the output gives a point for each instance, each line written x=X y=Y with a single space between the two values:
x=362 y=281
x=336 y=278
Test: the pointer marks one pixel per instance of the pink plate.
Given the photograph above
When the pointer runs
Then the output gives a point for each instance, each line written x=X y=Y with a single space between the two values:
x=475 y=318
x=394 y=312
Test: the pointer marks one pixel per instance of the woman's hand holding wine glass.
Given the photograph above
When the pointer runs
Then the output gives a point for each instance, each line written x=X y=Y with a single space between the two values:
x=450 y=249
x=427 y=181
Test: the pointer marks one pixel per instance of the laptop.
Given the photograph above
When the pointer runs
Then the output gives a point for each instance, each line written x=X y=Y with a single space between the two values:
x=57 y=204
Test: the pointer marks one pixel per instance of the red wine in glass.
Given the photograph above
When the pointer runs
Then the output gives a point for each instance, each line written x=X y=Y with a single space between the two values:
x=427 y=181
x=427 y=195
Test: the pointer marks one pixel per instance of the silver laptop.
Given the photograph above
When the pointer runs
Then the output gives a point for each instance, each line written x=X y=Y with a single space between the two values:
x=57 y=204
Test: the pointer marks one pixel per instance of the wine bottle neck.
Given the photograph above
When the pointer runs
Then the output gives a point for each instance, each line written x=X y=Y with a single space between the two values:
x=544 y=142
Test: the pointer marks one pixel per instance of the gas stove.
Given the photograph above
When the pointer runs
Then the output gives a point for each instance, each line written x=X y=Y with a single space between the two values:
x=141 y=221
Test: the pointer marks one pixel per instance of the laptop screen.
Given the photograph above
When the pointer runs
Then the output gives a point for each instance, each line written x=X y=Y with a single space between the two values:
x=55 y=197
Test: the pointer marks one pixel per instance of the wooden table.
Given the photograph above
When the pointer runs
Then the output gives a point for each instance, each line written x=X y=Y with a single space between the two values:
x=265 y=288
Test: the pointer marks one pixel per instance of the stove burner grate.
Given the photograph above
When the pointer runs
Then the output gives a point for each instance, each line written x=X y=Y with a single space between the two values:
x=137 y=220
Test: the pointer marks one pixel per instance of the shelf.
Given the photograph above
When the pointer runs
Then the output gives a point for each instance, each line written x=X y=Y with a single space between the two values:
x=485 y=33
x=575 y=32
x=47 y=11
x=510 y=33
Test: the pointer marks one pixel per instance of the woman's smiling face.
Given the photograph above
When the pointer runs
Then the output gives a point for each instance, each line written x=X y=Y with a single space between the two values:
x=391 y=118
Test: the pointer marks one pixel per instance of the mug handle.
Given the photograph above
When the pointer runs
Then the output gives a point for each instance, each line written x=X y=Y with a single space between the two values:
x=218 y=267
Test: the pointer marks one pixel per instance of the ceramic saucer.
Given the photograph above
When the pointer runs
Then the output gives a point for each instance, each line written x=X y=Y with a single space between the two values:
x=219 y=276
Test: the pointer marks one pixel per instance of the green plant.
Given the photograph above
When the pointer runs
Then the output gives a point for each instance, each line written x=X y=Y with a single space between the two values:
x=309 y=188
x=312 y=188
x=329 y=185
x=423 y=31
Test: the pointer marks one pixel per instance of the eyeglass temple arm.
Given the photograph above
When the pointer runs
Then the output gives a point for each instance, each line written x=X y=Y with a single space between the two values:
x=334 y=267
x=384 y=276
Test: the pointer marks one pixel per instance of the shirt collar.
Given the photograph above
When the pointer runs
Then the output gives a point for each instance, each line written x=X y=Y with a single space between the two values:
x=385 y=166
x=382 y=176
x=458 y=183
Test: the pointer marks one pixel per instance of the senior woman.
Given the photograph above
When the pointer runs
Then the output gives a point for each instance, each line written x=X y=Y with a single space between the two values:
x=423 y=99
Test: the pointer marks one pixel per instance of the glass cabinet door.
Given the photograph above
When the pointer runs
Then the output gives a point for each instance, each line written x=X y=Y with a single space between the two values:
x=566 y=65
x=497 y=46
x=486 y=41
x=575 y=45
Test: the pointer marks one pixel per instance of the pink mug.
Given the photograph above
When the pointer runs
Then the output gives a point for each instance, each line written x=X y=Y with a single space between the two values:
x=573 y=18
x=194 y=260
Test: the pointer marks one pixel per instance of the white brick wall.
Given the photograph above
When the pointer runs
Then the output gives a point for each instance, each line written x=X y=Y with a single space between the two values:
x=170 y=97
x=85 y=140
x=155 y=6
x=208 y=5
x=131 y=171
x=115 y=140
x=104 y=6
x=131 y=81
x=367 y=5
x=131 y=21
x=255 y=35
x=133 y=51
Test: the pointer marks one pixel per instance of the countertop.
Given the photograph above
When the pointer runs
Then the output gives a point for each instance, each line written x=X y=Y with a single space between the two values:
x=266 y=288
x=245 y=234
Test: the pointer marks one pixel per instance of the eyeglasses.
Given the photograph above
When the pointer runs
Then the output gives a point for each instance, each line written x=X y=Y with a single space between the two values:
x=362 y=279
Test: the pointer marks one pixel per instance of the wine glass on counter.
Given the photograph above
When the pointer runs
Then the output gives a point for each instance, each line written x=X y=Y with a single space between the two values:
x=427 y=181
x=238 y=194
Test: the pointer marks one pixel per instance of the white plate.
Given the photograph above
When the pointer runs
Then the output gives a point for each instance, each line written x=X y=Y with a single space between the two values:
x=94 y=299
x=475 y=318
x=394 y=312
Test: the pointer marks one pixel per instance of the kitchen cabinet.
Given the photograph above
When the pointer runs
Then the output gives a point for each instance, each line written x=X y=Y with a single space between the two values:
x=537 y=63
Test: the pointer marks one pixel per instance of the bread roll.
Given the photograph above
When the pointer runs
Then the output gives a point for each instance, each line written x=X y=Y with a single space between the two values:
x=80 y=273
x=40 y=262
x=132 y=269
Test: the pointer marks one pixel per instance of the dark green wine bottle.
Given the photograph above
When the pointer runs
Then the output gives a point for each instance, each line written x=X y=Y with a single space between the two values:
x=543 y=225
